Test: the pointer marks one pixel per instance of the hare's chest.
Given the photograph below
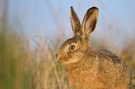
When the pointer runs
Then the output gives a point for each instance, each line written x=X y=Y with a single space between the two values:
x=85 y=80
x=81 y=78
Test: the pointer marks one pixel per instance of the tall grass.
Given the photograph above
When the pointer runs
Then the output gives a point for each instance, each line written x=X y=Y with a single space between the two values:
x=24 y=68
x=48 y=74
x=13 y=74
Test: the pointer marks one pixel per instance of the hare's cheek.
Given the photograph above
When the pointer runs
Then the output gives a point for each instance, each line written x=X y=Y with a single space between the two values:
x=70 y=54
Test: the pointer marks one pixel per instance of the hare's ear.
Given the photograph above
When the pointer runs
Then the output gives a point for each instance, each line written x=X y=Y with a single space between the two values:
x=75 y=23
x=89 y=21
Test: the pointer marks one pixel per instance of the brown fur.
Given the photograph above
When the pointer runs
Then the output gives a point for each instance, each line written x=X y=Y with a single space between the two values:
x=87 y=68
x=102 y=70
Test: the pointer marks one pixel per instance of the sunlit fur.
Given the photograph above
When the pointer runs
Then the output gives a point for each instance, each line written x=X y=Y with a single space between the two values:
x=88 y=68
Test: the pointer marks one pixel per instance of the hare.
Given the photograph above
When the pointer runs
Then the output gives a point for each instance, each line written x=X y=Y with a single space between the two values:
x=87 y=68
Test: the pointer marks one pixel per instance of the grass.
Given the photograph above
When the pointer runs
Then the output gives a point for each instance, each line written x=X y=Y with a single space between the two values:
x=12 y=63
x=22 y=67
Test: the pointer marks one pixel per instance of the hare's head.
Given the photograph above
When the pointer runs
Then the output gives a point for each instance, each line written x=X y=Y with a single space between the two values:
x=75 y=47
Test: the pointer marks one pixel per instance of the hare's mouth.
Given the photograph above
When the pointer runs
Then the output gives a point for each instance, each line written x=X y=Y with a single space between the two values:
x=60 y=58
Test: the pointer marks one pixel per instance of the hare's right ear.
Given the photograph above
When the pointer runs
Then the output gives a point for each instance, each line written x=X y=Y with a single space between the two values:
x=75 y=23
x=89 y=21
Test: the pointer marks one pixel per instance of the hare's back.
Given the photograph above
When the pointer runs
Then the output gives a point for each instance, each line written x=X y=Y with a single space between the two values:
x=112 y=68
x=112 y=65
x=106 y=55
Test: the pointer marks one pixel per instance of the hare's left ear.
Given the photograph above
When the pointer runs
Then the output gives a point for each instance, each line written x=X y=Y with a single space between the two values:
x=89 y=21
x=75 y=23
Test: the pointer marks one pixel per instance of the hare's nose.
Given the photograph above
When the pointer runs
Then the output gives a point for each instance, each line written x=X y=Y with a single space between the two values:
x=57 y=56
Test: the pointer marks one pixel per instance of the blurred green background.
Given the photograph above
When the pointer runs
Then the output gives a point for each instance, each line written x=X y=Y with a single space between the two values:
x=31 y=32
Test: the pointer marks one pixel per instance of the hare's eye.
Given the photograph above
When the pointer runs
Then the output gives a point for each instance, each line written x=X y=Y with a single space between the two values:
x=72 y=47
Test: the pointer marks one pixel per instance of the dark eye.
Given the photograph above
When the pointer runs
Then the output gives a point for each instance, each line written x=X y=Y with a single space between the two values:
x=72 y=47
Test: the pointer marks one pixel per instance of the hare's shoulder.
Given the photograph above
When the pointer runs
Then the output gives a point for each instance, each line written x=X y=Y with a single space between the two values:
x=108 y=56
